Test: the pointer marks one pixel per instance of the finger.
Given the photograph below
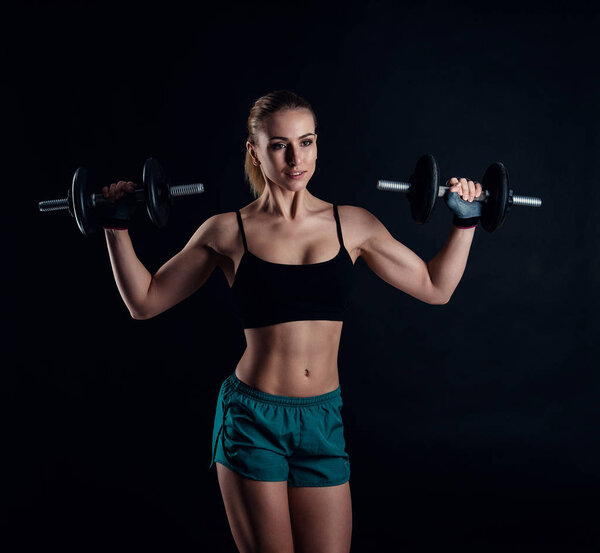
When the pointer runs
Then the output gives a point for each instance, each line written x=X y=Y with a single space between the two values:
x=454 y=185
x=121 y=188
x=464 y=188
x=478 y=189
x=471 y=185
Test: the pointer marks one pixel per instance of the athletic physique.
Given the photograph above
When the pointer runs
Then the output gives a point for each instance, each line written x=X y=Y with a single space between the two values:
x=289 y=225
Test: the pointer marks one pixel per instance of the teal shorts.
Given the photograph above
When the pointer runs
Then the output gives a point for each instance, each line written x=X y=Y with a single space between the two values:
x=280 y=438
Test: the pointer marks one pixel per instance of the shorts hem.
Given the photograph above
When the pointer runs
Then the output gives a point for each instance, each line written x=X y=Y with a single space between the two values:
x=343 y=481
x=230 y=467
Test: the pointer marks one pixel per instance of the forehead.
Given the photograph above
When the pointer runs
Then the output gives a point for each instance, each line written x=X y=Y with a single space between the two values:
x=290 y=123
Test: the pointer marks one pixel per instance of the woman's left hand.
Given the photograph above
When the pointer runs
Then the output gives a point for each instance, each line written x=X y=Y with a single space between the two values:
x=465 y=188
x=459 y=199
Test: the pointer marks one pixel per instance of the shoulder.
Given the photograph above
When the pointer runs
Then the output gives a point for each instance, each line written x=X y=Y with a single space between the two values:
x=219 y=232
x=361 y=226
x=222 y=221
x=356 y=215
x=358 y=219
x=214 y=225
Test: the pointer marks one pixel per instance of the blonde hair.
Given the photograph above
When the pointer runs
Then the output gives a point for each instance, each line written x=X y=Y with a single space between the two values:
x=264 y=107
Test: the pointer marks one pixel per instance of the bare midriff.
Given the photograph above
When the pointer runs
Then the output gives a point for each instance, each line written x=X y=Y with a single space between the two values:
x=296 y=358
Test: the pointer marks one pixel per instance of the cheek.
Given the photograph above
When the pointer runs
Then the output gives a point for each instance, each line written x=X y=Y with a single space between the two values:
x=275 y=156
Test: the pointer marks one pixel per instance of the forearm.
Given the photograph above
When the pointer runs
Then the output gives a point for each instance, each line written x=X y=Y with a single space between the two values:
x=447 y=267
x=132 y=278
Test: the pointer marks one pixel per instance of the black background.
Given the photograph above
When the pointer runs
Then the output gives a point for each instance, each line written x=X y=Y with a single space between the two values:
x=471 y=425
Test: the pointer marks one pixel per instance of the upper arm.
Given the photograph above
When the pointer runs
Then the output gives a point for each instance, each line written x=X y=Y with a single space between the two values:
x=185 y=272
x=391 y=260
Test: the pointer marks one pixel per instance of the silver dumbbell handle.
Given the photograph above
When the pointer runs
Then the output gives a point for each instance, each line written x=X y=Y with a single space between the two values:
x=98 y=199
x=54 y=205
x=516 y=200
x=186 y=189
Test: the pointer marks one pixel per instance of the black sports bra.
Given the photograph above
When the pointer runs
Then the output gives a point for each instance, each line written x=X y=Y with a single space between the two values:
x=267 y=293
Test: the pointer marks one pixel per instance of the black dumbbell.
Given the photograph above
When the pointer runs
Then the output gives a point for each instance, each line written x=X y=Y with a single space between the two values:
x=156 y=193
x=423 y=189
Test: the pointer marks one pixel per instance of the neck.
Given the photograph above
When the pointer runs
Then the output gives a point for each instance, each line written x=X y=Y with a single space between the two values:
x=286 y=204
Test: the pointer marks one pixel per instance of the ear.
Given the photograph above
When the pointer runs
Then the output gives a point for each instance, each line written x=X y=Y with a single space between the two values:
x=252 y=152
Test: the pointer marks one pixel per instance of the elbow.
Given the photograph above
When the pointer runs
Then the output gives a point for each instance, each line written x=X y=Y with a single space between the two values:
x=139 y=315
x=442 y=300
x=145 y=308
x=140 y=311
x=439 y=299
x=435 y=296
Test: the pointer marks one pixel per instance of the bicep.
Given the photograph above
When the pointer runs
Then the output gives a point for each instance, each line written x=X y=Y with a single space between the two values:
x=394 y=262
x=183 y=274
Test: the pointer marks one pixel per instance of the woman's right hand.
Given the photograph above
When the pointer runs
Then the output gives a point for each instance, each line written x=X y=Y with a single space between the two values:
x=119 y=214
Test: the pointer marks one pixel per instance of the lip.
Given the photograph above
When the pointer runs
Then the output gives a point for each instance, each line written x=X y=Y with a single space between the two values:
x=295 y=176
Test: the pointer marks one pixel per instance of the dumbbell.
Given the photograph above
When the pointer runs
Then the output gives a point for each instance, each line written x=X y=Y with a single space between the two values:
x=423 y=189
x=156 y=192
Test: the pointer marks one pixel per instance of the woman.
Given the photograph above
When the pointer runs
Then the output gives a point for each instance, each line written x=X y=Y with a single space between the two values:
x=289 y=257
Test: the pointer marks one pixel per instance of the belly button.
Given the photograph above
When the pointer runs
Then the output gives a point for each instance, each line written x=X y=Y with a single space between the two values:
x=306 y=373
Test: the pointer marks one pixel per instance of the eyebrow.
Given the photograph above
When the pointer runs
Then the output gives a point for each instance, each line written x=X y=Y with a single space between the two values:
x=285 y=138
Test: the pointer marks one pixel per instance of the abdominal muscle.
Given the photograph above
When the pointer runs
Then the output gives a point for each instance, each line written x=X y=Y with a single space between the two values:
x=296 y=358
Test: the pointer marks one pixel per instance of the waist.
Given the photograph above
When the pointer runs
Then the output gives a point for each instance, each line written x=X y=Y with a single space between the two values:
x=284 y=399
x=298 y=377
x=292 y=359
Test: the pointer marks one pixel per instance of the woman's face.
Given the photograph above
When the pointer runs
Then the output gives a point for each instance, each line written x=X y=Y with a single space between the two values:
x=287 y=144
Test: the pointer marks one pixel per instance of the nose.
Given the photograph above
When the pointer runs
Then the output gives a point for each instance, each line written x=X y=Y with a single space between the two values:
x=292 y=155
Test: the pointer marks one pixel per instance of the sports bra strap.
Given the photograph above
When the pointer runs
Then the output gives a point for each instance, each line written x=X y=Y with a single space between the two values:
x=339 y=227
x=239 y=218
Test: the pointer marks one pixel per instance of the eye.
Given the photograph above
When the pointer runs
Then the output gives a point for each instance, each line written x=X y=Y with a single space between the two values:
x=274 y=146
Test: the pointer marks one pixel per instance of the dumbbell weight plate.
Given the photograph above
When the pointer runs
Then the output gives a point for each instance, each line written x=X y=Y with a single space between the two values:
x=156 y=189
x=496 y=182
x=423 y=188
x=82 y=208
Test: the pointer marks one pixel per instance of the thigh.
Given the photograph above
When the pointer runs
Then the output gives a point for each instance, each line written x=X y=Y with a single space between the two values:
x=257 y=511
x=321 y=518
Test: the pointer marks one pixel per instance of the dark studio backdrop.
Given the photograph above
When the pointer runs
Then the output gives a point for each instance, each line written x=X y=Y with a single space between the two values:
x=471 y=425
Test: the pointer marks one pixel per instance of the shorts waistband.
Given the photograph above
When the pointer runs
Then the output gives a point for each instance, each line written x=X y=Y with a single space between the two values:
x=243 y=388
